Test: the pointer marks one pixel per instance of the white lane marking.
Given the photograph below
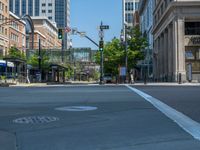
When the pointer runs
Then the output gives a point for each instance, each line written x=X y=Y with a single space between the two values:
x=189 y=125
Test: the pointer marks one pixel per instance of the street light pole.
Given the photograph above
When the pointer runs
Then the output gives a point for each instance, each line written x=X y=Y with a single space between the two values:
x=126 y=51
x=39 y=61
x=125 y=45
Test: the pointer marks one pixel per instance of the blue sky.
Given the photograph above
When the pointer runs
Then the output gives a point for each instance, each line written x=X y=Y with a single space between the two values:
x=86 y=15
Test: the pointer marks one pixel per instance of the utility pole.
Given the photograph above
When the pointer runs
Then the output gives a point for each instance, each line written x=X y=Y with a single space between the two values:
x=101 y=46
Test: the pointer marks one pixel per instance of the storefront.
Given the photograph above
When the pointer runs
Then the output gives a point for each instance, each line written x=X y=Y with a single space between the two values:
x=6 y=71
x=192 y=57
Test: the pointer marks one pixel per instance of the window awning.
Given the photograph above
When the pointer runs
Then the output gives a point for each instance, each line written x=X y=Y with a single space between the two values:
x=9 y=64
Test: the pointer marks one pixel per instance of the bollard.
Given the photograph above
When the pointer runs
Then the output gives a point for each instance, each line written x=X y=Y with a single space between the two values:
x=145 y=78
x=179 y=78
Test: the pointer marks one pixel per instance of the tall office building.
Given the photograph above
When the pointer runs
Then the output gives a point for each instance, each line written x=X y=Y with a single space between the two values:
x=129 y=8
x=146 y=24
x=58 y=11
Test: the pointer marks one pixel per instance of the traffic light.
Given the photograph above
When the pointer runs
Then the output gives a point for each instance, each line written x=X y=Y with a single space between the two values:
x=60 y=34
x=101 y=44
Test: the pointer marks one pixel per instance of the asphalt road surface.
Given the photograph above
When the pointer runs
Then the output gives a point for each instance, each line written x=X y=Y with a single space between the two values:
x=119 y=119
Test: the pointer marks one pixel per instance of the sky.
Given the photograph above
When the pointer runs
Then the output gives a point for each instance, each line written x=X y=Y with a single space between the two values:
x=86 y=16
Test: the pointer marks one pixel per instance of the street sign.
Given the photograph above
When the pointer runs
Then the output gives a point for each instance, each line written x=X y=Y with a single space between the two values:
x=102 y=27
x=122 y=71
x=101 y=34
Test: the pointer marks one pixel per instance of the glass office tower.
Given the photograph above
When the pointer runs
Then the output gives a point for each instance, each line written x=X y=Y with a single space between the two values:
x=58 y=11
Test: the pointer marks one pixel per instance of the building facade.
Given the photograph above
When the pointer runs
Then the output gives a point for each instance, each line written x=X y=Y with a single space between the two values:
x=48 y=32
x=17 y=33
x=58 y=11
x=129 y=8
x=4 y=28
x=176 y=40
x=146 y=25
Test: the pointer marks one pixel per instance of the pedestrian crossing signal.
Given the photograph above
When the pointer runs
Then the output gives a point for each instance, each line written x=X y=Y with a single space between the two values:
x=60 y=34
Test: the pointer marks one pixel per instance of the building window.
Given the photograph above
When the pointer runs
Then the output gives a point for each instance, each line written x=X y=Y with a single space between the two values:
x=37 y=7
x=43 y=11
x=30 y=7
x=43 y=4
x=129 y=18
x=23 y=7
x=49 y=4
x=189 y=55
x=192 y=28
x=126 y=6
x=17 y=7
x=198 y=54
x=50 y=18
x=49 y=11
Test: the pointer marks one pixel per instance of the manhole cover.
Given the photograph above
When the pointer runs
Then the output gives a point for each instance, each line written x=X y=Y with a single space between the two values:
x=35 y=119
x=76 y=108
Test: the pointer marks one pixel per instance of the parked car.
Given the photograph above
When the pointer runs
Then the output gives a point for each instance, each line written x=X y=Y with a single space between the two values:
x=107 y=78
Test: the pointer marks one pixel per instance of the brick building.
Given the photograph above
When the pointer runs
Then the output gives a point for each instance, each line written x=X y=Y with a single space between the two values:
x=4 y=35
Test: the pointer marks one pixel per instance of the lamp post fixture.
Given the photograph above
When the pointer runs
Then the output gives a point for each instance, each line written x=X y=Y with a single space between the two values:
x=123 y=38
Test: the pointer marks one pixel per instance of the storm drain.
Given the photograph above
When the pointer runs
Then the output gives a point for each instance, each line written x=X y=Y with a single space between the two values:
x=35 y=119
x=76 y=108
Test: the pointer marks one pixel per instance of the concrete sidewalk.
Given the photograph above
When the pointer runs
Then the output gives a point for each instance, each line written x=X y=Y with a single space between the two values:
x=167 y=84
x=85 y=83
x=7 y=141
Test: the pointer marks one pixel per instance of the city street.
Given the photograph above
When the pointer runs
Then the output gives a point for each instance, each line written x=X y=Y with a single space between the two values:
x=108 y=118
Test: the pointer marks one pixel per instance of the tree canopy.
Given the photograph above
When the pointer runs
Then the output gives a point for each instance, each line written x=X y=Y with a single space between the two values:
x=16 y=53
x=114 y=52
x=33 y=60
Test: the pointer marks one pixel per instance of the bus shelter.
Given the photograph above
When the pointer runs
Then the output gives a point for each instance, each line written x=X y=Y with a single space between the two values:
x=57 y=73
x=19 y=70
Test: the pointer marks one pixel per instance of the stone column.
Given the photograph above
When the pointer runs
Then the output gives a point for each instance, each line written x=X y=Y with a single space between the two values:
x=170 y=53
x=162 y=65
x=159 y=58
x=165 y=55
x=181 y=48
x=155 y=59
x=175 y=49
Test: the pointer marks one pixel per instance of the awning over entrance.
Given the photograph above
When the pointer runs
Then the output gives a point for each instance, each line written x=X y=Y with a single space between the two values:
x=9 y=64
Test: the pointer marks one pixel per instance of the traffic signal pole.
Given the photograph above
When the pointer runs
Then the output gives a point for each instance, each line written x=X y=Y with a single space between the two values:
x=101 y=47
x=101 y=51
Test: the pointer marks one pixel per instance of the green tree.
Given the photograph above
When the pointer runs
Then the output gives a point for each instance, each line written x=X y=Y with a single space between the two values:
x=136 y=44
x=1 y=56
x=16 y=53
x=114 y=52
x=113 y=56
x=69 y=72
x=33 y=60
